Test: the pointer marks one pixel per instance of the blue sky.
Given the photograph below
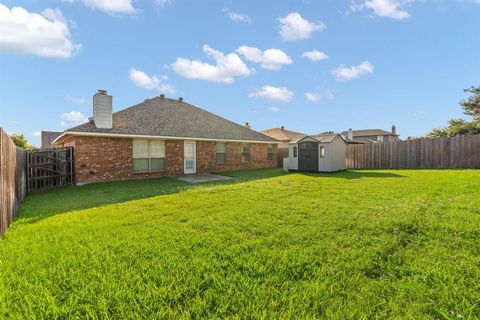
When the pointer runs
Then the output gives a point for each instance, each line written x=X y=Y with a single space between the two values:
x=364 y=64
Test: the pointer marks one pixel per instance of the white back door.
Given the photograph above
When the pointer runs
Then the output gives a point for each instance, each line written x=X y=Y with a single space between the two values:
x=189 y=157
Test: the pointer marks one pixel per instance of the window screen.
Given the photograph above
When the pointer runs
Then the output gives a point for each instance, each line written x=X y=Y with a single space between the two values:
x=221 y=149
x=148 y=155
x=269 y=152
x=246 y=152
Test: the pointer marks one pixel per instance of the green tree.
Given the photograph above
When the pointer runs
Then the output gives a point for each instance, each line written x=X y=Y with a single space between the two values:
x=471 y=107
x=21 y=141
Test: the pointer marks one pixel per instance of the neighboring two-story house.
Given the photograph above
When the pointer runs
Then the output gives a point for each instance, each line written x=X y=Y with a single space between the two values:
x=371 y=135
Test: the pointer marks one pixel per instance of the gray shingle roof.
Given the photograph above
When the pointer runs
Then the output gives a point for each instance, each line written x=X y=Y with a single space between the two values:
x=172 y=118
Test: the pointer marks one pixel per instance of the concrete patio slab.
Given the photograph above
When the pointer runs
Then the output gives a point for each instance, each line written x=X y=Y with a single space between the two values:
x=202 y=177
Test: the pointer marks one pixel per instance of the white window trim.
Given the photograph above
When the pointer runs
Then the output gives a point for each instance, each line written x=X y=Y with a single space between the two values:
x=149 y=157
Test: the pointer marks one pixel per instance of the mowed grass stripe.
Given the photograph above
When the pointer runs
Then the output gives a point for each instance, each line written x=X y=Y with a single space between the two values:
x=356 y=244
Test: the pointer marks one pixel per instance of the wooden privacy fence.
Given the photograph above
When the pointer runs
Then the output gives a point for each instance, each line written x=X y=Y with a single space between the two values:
x=444 y=153
x=13 y=180
x=49 y=168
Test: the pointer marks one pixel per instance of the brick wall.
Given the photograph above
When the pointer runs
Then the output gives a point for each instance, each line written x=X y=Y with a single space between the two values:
x=206 y=157
x=104 y=158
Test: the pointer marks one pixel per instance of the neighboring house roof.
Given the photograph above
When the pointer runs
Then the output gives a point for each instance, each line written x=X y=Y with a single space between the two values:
x=48 y=137
x=321 y=138
x=362 y=140
x=369 y=132
x=165 y=117
x=282 y=134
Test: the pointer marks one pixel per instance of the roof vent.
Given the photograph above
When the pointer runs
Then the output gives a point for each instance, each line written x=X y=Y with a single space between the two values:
x=247 y=125
x=180 y=99
x=102 y=110
x=282 y=127
x=162 y=96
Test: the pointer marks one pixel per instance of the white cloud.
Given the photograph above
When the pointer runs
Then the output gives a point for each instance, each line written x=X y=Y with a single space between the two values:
x=271 y=59
x=281 y=94
x=153 y=82
x=344 y=73
x=80 y=100
x=274 y=109
x=293 y=27
x=384 y=8
x=315 y=55
x=313 y=96
x=225 y=70
x=237 y=17
x=36 y=134
x=142 y=80
x=45 y=34
x=72 y=118
x=111 y=6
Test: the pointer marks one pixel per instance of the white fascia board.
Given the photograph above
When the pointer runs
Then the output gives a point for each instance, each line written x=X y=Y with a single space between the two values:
x=137 y=136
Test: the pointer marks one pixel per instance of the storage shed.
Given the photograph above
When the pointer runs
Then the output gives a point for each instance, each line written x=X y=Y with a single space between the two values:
x=320 y=153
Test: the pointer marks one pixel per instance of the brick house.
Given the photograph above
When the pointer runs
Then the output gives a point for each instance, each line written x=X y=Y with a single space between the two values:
x=162 y=137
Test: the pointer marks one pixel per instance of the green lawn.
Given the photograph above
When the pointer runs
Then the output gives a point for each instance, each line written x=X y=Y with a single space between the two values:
x=350 y=245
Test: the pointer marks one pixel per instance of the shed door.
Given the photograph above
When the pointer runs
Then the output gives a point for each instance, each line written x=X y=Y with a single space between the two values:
x=308 y=156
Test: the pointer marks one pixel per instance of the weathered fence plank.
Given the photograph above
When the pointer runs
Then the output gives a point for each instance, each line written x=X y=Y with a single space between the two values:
x=13 y=180
x=456 y=152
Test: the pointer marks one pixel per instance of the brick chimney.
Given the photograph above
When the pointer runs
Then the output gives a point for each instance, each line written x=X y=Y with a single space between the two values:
x=102 y=110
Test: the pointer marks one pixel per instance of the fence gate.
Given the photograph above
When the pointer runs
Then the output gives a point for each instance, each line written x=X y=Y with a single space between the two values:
x=50 y=168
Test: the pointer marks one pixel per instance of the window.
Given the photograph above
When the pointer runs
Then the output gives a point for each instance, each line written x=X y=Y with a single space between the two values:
x=221 y=149
x=295 y=152
x=148 y=155
x=269 y=152
x=322 y=152
x=246 y=152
